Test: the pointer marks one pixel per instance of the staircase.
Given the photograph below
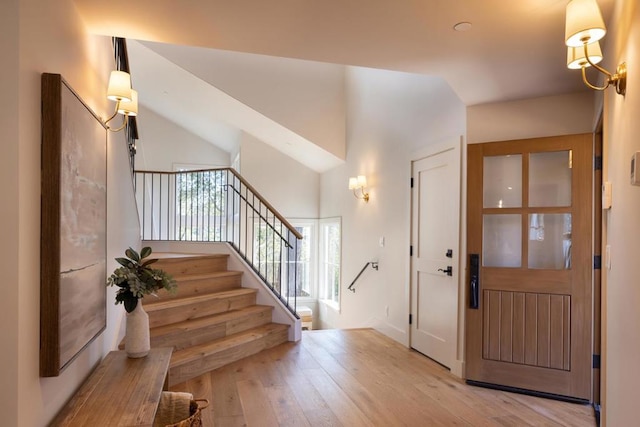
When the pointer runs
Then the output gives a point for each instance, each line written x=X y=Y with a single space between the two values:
x=211 y=320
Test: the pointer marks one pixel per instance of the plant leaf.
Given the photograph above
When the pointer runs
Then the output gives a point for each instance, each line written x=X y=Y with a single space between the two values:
x=124 y=261
x=130 y=302
x=131 y=253
x=145 y=252
x=149 y=262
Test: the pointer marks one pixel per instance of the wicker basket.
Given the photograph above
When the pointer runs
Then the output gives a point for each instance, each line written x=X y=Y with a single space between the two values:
x=195 y=420
x=178 y=409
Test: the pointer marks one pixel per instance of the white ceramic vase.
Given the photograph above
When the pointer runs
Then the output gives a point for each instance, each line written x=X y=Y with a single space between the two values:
x=136 y=341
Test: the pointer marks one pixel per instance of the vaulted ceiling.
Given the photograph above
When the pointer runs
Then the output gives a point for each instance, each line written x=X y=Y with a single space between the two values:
x=512 y=50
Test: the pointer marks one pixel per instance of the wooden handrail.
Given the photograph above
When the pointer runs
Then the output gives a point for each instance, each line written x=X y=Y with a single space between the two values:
x=246 y=184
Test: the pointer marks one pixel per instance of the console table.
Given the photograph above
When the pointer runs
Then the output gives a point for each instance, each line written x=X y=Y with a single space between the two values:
x=119 y=392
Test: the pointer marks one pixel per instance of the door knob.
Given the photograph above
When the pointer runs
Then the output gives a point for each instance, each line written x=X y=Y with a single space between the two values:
x=448 y=270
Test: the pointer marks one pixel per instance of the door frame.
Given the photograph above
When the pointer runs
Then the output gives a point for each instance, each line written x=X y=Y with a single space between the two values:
x=456 y=144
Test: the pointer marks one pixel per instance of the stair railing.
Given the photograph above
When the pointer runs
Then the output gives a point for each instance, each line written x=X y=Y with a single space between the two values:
x=373 y=264
x=219 y=205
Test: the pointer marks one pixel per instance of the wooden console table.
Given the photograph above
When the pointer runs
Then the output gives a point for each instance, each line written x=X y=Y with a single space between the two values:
x=119 y=392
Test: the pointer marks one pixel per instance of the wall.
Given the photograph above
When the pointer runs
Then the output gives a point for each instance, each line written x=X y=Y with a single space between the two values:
x=389 y=116
x=9 y=210
x=277 y=177
x=621 y=293
x=304 y=96
x=163 y=143
x=538 y=117
x=48 y=37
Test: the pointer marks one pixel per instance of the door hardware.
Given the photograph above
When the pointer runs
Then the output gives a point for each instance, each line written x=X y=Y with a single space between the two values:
x=449 y=253
x=448 y=270
x=474 y=281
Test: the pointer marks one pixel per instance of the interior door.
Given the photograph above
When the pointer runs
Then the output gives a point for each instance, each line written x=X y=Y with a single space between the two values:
x=530 y=265
x=434 y=267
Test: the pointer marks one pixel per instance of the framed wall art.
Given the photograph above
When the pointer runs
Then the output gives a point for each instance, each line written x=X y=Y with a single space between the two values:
x=73 y=226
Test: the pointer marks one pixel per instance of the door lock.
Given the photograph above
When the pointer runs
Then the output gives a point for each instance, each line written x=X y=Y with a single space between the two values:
x=448 y=270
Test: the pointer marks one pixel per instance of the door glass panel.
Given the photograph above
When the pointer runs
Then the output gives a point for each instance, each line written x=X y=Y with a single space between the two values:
x=550 y=179
x=502 y=240
x=502 y=181
x=550 y=241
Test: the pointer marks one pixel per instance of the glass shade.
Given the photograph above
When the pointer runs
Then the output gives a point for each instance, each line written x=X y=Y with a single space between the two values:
x=576 y=58
x=129 y=108
x=119 y=86
x=584 y=23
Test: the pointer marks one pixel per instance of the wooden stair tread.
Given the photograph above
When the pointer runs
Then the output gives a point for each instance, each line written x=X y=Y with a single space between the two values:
x=188 y=355
x=214 y=275
x=199 y=322
x=178 y=256
x=178 y=302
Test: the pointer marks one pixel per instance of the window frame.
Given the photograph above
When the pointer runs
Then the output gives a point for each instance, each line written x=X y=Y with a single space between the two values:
x=323 y=290
x=313 y=255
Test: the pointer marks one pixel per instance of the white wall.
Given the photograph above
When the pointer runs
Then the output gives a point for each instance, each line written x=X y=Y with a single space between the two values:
x=528 y=118
x=290 y=187
x=49 y=37
x=389 y=116
x=9 y=211
x=304 y=96
x=621 y=290
x=163 y=143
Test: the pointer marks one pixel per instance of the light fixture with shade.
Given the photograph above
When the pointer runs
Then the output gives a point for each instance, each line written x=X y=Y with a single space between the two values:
x=359 y=183
x=584 y=28
x=119 y=90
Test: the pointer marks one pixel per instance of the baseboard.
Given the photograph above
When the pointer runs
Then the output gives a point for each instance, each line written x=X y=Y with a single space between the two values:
x=457 y=368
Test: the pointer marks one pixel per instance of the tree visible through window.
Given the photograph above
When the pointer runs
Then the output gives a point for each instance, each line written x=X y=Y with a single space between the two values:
x=330 y=247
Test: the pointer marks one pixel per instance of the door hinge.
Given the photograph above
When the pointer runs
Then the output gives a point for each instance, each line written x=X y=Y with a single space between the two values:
x=596 y=361
x=597 y=163
x=411 y=250
x=411 y=182
x=410 y=319
x=597 y=262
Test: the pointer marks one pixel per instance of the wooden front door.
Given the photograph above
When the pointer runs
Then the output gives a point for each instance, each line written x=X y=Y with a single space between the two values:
x=530 y=265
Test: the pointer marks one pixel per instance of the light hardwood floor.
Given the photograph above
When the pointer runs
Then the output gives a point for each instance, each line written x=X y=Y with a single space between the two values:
x=362 y=378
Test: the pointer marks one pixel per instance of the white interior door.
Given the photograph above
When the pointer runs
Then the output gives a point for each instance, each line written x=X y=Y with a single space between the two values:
x=434 y=264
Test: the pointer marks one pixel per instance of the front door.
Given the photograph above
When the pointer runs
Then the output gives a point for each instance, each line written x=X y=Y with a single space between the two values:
x=434 y=265
x=530 y=264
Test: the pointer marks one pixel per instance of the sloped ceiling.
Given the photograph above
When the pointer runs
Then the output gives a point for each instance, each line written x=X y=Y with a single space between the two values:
x=514 y=49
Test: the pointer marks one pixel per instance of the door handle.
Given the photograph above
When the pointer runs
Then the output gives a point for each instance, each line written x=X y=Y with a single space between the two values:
x=474 y=281
x=448 y=270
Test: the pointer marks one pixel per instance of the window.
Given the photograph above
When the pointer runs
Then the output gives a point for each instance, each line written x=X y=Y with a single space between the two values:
x=200 y=202
x=303 y=256
x=330 y=244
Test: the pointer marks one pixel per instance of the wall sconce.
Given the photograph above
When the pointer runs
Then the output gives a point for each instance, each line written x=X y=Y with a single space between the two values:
x=584 y=27
x=359 y=183
x=119 y=90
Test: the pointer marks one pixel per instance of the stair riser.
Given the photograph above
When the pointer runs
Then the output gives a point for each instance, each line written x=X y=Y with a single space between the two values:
x=179 y=374
x=199 y=309
x=180 y=266
x=184 y=338
x=203 y=286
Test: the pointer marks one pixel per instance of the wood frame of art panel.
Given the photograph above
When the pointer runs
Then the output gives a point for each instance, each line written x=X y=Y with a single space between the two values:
x=73 y=226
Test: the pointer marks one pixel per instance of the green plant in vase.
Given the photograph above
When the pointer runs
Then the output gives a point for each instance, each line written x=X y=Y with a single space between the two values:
x=136 y=278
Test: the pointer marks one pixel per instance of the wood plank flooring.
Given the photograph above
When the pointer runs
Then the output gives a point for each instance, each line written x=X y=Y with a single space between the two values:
x=362 y=378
